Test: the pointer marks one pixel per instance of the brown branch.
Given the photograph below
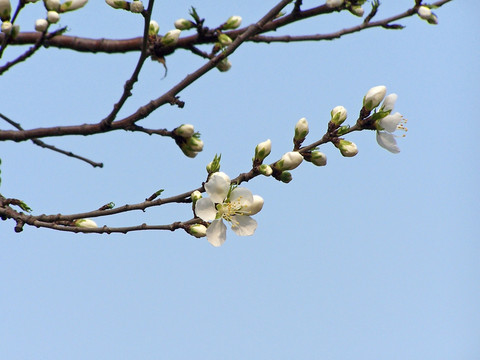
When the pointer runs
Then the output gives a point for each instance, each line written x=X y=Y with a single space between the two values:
x=51 y=147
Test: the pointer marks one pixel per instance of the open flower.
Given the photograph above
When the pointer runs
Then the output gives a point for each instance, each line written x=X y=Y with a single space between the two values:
x=389 y=124
x=229 y=203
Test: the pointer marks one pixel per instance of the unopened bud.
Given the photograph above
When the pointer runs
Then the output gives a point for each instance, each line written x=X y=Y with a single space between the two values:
x=85 y=223
x=233 y=22
x=153 y=28
x=185 y=130
x=71 y=5
x=256 y=205
x=374 y=97
x=285 y=177
x=262 y=150
x=118 y=4
x=301 y=130
x=339 y=115
x=7 y=27
x=136 y=6
x=265 y=169
x=214 y=165
x=357 y=11
x=53 y=17
x=224 y=39
x=41 y=25
x=318 y=158
x=198 y=230
x=171 y=37
x=289 y=161
x=347 y=148
x=183 y=24
x=333 y=3
x=424 y=12
x=224 y=65
x=52 y=4
x=5 y=10
x=195 y=196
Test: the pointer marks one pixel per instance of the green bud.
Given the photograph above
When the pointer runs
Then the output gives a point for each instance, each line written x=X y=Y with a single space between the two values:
x=224 y=39
x=285 y=177
x=214 y=165
x=233 y=22
x=265 y=169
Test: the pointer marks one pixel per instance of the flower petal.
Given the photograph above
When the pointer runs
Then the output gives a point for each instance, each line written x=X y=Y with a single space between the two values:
x=205 y=209
x=217 y=233
x=390 y=122
x=241 y=195
x=387 y=141
x=217 y=186
x=257 y=204
x=243 y=225
x=389 y=102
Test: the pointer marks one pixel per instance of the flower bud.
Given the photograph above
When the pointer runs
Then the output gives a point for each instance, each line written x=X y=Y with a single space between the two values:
x=262 y=150
x=5 y=11
x=318 y=158
x=334 y=3
x=265 y=169
x=85 y=223
x=194 y=144
x=195 y=196
x=185 y=131
x=183 y=24
x=224 y=65
x=118 y=4
x=389 y=102
x=289 y=161
x=52 y=5
x=339 y=115
x=224 y=39
x=347 y=148
x=136 y=6
x=53 y=17
x=256 y=205
x=198 y=230
x=374 y=97
x=41 y=25
x=424 y=12
x=153 y=28
x=171 y=37
x=285 y=177
x=71 y=5
x=301 y=130
x=7 y=27
x=357 y=11
x=233 y=22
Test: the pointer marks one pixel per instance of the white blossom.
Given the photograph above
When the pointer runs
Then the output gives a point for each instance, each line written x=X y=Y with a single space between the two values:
x=53 y=17
x=389 y=124
x=347 y=148
x=374 y=97
x=301 y=130
x=289 y=161
x=262 y=150
x=41 y=25
x=232 y=204
x=338 y=115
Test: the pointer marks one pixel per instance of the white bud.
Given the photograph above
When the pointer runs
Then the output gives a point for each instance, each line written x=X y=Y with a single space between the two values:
x=52 y=4
x=389 y=102
x=374 y=97
x=53 y=17
x=262 y=150
x=424 y=12
x=357 y=11
x=136 y=6
x=41 y=25
x=289 y=161
x=171 y=37
x=198 y=230
x=183 y=24
x=194 y=144
x=224 y=65
x=7 y=27
x=224 y=39
x=256 y=205
x=347 y=148
x=86 y=223
x=71 y=5
x=153 y=28
x=301 y=130
x=233 y=22
x=265 y=169
x=185 y=130
x=5 y=10
x=196 y=195
x=318 y=158
x=334 y=3
x=339 y=115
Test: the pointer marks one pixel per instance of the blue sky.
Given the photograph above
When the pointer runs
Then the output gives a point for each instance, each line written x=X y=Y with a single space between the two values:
x=371 y=257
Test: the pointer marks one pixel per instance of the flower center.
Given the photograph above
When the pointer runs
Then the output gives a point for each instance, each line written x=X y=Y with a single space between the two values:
x=228 y=210
x=402 y=126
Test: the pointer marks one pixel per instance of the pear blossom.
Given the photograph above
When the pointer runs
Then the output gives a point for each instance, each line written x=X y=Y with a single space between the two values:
x=388 y=124
x=229 y=203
